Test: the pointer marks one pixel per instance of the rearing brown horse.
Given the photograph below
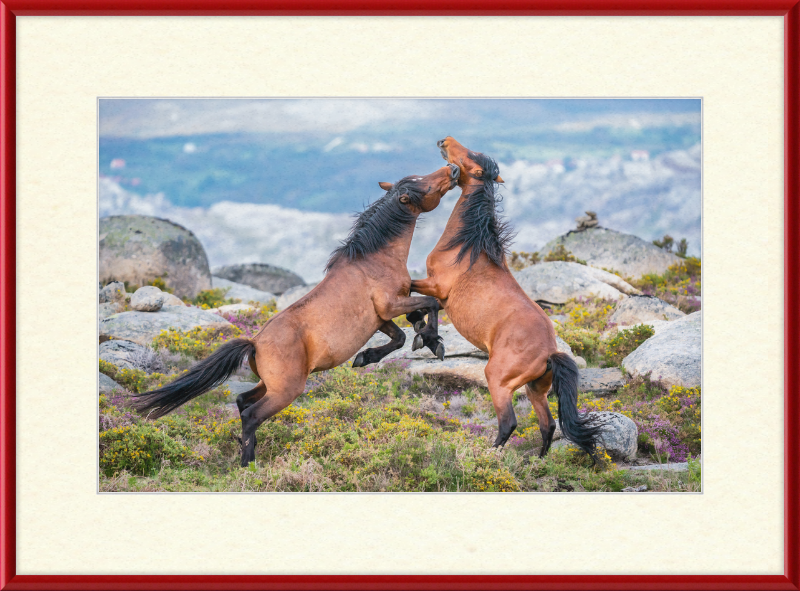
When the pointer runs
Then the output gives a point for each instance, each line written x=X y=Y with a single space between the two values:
x=468 y=274
x=367 y=283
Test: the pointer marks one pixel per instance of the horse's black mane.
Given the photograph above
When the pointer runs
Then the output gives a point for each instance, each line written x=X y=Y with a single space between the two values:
x=482 y=228
x=381 y=222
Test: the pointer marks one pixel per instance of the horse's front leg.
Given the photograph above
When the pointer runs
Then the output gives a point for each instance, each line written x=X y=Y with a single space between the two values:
x=429 y=335
x=375 y=354
x=427 y=287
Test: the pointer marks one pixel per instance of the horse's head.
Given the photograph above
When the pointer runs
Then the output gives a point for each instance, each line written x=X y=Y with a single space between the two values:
x=423 y=193
x=475 y=167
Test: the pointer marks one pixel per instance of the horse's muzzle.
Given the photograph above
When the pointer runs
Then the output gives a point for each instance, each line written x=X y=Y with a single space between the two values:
x=440 y=144
x=454 y=171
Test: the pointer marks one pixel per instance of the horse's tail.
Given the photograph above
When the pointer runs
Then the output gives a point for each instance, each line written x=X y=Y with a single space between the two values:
x=580 y=430
x=202 y=377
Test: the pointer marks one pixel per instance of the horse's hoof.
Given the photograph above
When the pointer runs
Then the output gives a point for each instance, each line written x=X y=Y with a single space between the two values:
x=417 y=344
x=419 y=325
x=440 y=351
x=359 y=360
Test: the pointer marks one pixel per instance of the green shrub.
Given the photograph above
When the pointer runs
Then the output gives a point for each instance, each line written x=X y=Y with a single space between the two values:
x=559 y=253
x=160 y=284
x=139 y=449
x=591 y=313
x=694 y=470
x=624 y=342
x=683 y=246
x=196 y=343
x=157 y=282
x=520 y=260
x=678 y=285
x=583 y=341
x=134 y=380
x=666 y=242
x=213 y=298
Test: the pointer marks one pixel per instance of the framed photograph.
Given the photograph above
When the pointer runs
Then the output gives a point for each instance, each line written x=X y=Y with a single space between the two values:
x=100 y=99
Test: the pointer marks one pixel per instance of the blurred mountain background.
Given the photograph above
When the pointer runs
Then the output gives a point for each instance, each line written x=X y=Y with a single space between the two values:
x=277 y=180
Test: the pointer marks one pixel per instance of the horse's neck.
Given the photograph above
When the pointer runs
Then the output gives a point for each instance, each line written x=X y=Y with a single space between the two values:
x=399 y=248
x=454 y=221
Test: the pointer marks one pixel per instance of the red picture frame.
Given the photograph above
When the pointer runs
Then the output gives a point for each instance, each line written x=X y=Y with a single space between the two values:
x=788 y=9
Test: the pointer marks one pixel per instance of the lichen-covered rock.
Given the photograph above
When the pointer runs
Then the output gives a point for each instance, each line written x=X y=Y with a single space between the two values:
x=171 y=299
x=639 y=309
x=143 y=327
x=600 y=381
x=114 y=292
x=260 y=276
x=147 y=299
x=107 y=385
x=672 y=356
x=463 y=371
x=109 y=308
x=292 y=295
x=140 y=249
x=240 y=291
x=618 y=435
x=119 y=353
x=233 y=309
x=557 y=282
x=628 y=254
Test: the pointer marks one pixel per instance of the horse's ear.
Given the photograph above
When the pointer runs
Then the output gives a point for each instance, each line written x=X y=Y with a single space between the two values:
x=386 y=186
x=404 y=198
x=499 y=179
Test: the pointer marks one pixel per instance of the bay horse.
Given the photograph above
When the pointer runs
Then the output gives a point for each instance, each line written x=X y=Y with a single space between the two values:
x=366 y=282
x=468 y=274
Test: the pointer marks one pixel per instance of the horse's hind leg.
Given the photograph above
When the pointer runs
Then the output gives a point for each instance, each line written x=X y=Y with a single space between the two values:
x=503 y=402
x=280 y=393
x=537 y=394
x=375 y=354
x=247 y=399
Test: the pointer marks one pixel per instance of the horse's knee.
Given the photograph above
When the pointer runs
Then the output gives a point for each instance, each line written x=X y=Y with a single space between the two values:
x=415 y=316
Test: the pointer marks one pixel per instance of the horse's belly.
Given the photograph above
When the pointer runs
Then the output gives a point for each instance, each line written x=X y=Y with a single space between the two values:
x=339 y=345
x=469 y=325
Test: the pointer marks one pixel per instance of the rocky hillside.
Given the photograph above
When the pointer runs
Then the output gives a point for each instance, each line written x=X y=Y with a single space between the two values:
x=639 y=358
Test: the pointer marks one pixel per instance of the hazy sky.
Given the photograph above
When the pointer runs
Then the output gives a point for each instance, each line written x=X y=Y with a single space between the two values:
x=168 y=117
